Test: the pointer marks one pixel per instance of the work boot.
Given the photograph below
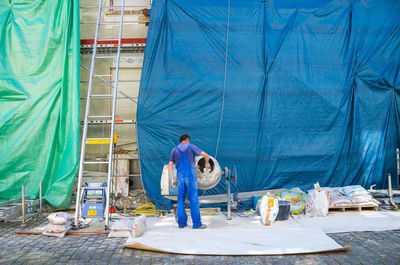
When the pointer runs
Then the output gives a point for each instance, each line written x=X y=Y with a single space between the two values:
x=201 y=227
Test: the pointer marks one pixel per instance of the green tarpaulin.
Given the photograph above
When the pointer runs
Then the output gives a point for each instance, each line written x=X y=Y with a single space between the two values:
x=39 y=98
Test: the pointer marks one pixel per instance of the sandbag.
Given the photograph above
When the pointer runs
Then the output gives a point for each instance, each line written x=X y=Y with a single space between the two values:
x=130 y=227
x=57 y=230
x=341 y=200
x=139 y=226
x=50 y=228
x=353 y=190
x=119 y=233
x=59 y=218
x=121 y=228
x=364 y=199
x=123 y=224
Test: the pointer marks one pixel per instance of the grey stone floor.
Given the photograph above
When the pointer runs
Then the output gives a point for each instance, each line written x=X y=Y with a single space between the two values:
x=368 y=248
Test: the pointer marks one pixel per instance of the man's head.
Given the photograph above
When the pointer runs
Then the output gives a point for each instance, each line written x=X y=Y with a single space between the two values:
x=184 y=138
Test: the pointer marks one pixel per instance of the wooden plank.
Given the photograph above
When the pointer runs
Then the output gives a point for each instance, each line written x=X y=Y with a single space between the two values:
x=206 y=211
x=70 y=232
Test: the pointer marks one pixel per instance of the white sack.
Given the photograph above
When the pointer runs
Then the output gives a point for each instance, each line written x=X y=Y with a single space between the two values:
x=353 y=190
x=48 y=231
x=50 y=228
x=269 y=208
x=123 y=224
x=119 y=233
x=342 y=200
x=139 y=226
x=59 y=218
x=364 y=198
x=318 y=202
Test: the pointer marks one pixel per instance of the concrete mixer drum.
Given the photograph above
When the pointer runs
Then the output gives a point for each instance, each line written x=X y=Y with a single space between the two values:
x=207 y=178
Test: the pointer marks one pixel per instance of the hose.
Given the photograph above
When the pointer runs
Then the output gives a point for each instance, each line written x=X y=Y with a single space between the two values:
x=209 y=211
x=148 y=210
x=123 y=203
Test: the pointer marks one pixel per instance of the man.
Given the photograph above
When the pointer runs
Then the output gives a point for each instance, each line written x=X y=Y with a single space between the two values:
x=184 y=157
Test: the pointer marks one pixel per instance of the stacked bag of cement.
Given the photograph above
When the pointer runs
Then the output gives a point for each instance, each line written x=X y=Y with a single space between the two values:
x=59 y=224
x=357 y=195
x=349 y=196
x=335 y=197
x=129 y=227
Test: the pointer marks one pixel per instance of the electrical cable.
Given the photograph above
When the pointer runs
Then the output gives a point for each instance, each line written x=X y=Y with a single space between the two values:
x=223 y=91
x=148 y=210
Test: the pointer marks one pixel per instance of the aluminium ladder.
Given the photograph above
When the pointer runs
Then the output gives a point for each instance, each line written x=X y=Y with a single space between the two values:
x=107 y=118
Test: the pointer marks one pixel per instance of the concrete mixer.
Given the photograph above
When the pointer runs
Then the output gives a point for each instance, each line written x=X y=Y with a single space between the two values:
x=206 y=179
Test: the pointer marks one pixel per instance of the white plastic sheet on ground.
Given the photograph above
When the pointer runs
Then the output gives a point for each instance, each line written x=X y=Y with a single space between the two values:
x=245 y=235
x=352 y=221
x=240 y=236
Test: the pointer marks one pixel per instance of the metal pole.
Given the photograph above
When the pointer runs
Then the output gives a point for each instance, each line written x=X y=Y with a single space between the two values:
x=23 y=204
x=40 y=198
x=390 y=193
x=229 y=202
x=85 y=126
x=398 y=166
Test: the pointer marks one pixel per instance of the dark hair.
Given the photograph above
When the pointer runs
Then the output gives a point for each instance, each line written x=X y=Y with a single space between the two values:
x=183 y=138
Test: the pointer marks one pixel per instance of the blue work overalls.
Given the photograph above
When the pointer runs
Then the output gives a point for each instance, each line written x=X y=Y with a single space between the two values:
x=187 y=183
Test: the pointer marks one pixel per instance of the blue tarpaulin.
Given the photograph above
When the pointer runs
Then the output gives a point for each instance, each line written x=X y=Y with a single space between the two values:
x=291 y=92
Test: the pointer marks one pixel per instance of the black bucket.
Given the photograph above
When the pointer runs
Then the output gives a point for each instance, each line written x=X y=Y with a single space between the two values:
x=284 y=210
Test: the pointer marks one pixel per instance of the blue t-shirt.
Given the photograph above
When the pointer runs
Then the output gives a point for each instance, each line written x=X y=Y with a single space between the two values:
x=192 y=152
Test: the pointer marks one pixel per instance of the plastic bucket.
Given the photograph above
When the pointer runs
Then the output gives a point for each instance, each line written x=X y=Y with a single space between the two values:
x=284 y=210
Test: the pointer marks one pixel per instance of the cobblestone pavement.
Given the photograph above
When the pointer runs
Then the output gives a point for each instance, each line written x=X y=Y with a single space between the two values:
x=368 y=248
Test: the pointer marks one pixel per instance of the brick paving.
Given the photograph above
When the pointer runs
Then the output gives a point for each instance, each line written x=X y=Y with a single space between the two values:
x=368 y=248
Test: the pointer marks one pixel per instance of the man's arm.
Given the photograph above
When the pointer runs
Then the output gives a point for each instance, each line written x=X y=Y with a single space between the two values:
x=171 y=173
x=207 y=158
